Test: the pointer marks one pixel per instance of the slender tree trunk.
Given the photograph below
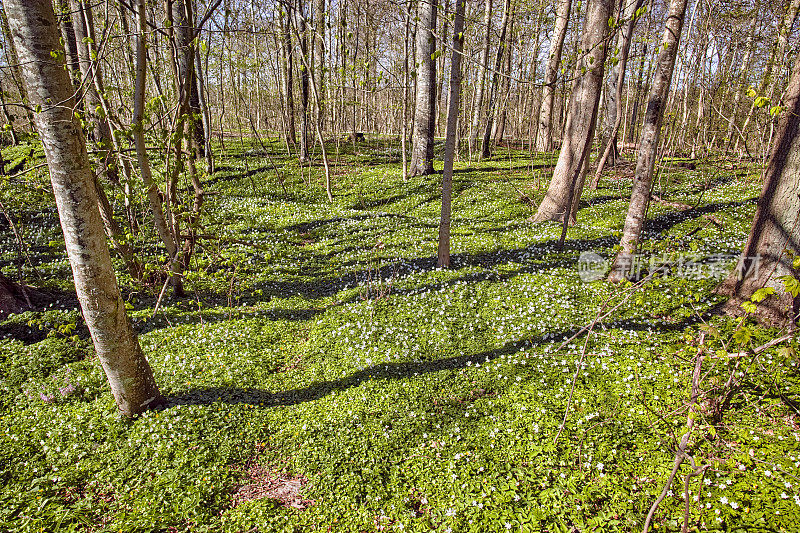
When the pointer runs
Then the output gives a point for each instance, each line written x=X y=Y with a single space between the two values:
x=304 y=74
x=319 y=32
x=544 y=137
x=91 y=74
x=406 y=82
x=151 y=189
x=70 y=43
x=505 y=86
x=315 y=92
x=15 y=66
x=773 y=242
x=486 y=148
x=616 y=81
x=777 y=53
x=101 y=132
x=288 y=77
x=566 y=185
x=10 y=121
x=206 y=113
x=648 y=145
x=425 y=110
x=740 y=85
x=450 y=135
x=33 y=25
x=482 y=68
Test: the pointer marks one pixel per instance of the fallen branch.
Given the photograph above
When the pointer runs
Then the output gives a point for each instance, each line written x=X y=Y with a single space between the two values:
x=680 y=453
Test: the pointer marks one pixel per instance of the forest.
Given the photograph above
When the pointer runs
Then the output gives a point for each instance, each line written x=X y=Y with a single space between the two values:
x=400 y=265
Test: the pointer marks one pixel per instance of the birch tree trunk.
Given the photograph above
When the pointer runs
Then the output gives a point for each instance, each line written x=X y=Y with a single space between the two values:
x=544 y=136
x=648 y=144
x=450 y=135
x=425 y=109
x=567 y=182
x=33 y=25
x=773 y=238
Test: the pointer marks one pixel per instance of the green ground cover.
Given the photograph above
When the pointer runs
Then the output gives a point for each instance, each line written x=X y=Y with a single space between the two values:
x=321 y=350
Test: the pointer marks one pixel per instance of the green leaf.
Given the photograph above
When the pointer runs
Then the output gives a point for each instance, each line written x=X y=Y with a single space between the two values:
x=743 y=335
x=762 y=293
x=791 y=284
x=749 y=307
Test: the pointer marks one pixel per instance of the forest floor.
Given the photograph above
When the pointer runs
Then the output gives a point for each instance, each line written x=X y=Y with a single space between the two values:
x=324 y=375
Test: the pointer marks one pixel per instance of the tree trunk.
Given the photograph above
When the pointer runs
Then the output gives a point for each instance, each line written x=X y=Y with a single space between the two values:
x=14 y=65
x=35 y=31
x=740 y=85
x=566 y=185
x=425 y=109
x=450 y=135
x=648 y=144
x=12 y=297
x=288 y=77
x=83 y=28
x=780 y=46
x=319 y=32
x=70 y=43
x=101 y=133
x=151 y=189
x=482 y=68
x=303 y=37
x=544 y=136
x=406 y=82
x=616 y=81
x=773 y=240
x=486 y=148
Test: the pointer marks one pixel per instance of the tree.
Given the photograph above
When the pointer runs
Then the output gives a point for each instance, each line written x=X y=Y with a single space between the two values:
x=425 y=110
x=302 y=36
x=12 y=296
x=35 y=32
x=482 y=68
x=648 y=145
x=614 y=86
x=486 y=149
x=772 y=248
x=151 y=189
x=544 y=137
x=565 y=188
x=450 y=135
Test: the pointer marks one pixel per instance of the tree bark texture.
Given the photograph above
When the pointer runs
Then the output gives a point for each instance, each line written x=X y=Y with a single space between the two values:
x=773 y=238
x=544 y=137
x=425 y=109
x=566 y=185
x=649 y=141
x=450 y=136
x=35 y=31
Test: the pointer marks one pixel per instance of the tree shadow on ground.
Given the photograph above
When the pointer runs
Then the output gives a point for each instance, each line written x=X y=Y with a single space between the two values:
x=667 y=221
x=383 y=371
